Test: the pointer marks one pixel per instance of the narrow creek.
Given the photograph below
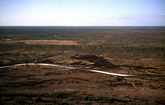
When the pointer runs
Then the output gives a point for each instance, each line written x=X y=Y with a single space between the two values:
x=155 y=77
x=69 y=67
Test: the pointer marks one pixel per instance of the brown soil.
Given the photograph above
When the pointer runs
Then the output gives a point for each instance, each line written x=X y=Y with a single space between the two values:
x=55 y=85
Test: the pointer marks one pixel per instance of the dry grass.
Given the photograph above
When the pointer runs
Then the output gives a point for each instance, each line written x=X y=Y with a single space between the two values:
x=43 y=42
x=56 y=42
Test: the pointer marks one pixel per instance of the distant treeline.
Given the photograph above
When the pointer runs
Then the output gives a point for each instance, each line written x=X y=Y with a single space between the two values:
x=64 y=32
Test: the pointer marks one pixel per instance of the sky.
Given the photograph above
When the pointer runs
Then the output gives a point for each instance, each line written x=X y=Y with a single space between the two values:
x=82 y=12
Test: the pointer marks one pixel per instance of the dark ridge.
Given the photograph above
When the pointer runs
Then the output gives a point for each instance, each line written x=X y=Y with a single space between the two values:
x=100 y=61
x=97 y=60
x=137 y=67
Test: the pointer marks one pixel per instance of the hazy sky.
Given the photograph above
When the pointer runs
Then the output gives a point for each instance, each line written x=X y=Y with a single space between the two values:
x=82 y=12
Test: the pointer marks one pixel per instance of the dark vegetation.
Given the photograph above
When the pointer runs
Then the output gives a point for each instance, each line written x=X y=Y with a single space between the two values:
x=90 y=39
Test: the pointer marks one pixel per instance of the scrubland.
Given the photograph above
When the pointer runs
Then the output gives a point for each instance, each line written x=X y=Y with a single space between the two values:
x=136 y=51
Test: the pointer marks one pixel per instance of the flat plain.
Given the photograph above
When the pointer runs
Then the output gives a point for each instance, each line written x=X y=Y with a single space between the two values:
x=138 y=51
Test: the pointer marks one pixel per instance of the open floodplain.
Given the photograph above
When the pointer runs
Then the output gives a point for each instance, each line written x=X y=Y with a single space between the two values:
x=82 y=65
